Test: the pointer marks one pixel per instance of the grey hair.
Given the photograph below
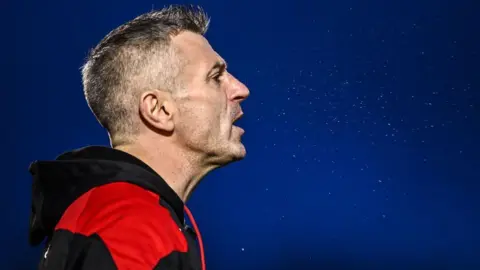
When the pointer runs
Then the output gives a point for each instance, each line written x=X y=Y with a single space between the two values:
x=133 y=57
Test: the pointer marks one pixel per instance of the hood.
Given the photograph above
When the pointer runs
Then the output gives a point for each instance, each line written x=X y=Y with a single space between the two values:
x=58 y=183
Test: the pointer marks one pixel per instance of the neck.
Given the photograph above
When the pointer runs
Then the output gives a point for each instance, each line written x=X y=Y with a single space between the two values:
x=182 y=171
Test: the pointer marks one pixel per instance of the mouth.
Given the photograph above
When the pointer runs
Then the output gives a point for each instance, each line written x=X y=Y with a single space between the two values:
x=240 y=115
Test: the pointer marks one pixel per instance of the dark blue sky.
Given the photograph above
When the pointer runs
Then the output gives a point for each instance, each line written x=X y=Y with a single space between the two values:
x=361 y=128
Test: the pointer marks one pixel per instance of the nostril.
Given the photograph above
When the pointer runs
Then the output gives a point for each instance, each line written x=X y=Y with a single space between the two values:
x=240 y=98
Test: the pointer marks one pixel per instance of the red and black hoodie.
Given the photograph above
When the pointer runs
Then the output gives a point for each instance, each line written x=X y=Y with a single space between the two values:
x=100 y=208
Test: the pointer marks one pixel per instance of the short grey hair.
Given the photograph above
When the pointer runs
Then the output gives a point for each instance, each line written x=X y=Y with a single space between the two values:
x=133 y=57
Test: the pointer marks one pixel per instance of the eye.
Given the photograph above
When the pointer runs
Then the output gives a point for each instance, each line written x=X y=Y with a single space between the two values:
x=218 y=78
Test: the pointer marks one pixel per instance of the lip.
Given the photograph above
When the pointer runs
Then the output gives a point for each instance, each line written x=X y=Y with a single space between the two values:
x=241 y=130
x=238 y=117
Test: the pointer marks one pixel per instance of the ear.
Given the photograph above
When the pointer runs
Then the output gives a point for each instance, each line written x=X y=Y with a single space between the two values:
x=157 y=109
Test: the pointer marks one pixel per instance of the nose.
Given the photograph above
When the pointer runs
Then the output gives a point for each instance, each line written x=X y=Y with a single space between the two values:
x=237 y=90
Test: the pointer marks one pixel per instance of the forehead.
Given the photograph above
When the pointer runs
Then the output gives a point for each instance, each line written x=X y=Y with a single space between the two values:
x=196 y=50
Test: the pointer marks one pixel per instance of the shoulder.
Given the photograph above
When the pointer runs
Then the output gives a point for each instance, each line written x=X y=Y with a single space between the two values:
x=129 y=220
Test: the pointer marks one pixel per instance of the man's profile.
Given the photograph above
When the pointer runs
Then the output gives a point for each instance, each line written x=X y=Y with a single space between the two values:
x=169 y=105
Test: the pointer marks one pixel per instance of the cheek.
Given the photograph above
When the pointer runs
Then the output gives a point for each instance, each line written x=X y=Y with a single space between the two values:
x=199 y=120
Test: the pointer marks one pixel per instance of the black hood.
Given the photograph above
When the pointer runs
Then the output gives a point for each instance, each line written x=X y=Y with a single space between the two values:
x=58 y=183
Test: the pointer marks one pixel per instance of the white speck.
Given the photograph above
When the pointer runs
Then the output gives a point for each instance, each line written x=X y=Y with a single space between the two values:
x=46 y=253
x=243 y=249
x=266 y=189
x=384 y=216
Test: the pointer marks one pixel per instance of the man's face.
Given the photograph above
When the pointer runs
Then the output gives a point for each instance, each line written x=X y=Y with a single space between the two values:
x=209 y=103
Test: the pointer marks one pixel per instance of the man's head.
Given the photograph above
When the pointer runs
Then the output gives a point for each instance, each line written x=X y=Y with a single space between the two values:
x=157 y=79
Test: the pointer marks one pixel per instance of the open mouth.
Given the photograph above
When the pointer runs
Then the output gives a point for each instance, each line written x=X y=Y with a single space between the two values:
x=240 y=115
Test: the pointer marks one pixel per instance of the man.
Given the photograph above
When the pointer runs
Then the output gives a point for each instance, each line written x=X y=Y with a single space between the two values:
x=169 y=106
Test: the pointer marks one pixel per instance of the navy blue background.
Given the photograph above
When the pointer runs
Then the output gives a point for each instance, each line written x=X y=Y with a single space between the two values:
x=361 y=128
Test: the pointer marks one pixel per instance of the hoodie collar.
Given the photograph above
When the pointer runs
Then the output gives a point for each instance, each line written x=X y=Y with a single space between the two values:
x=106 y=153
x=57 y=183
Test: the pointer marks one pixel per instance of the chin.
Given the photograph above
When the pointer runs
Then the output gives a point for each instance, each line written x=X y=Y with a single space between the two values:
x=228 y=149
x=240 y=152
x=234 y=153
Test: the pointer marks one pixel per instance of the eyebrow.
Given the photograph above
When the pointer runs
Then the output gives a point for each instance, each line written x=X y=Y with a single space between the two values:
x=218 y=66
